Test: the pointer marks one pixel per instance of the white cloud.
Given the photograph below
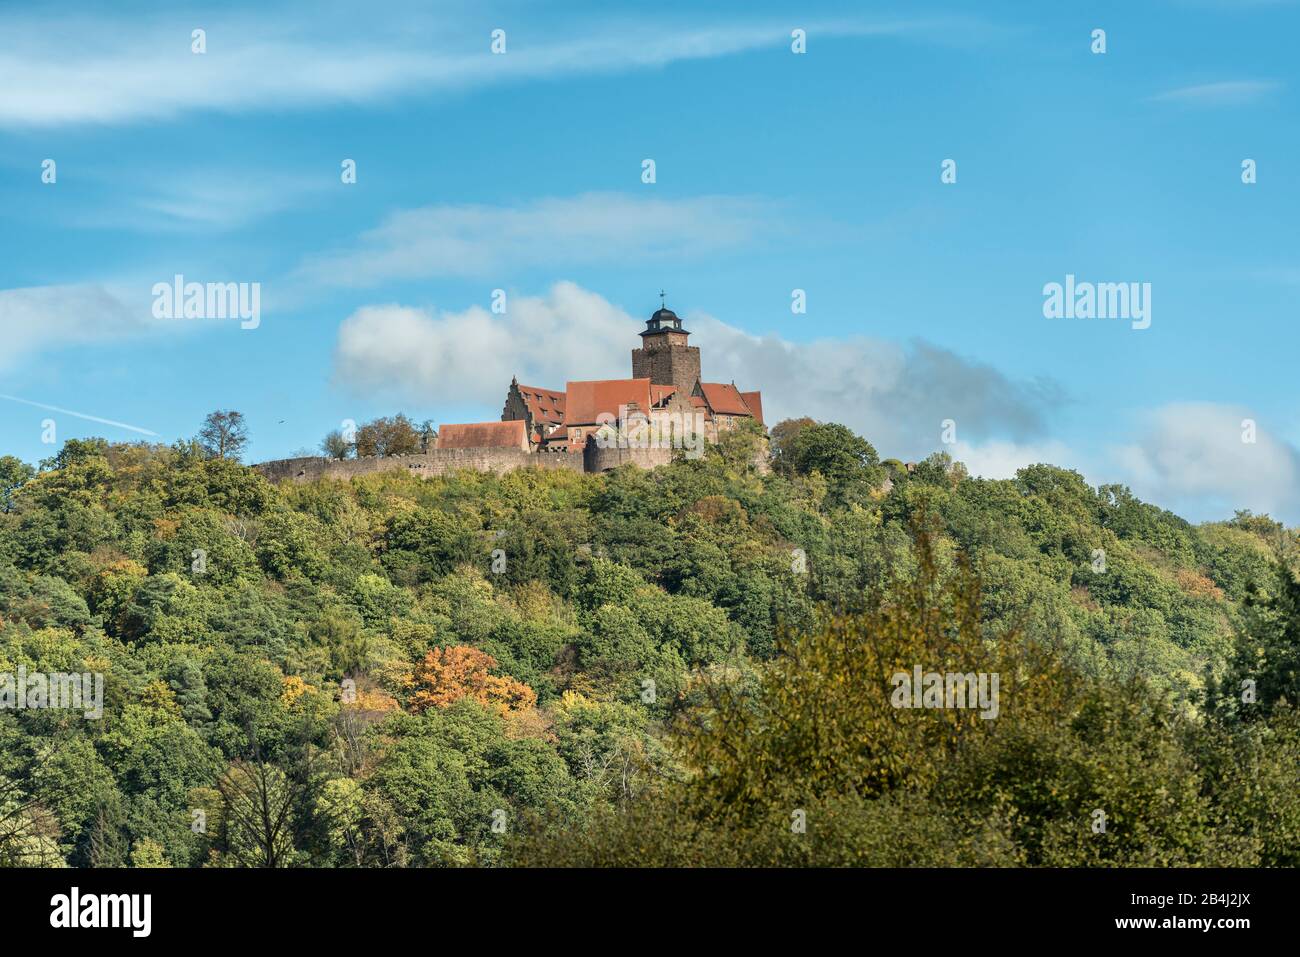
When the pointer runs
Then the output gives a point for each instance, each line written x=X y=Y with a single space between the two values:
x=1226 y=93
x=96 y=69
x=486 y=241
x=896 y=396
x=469 y=357
x=1190 y=457
x=42 y=317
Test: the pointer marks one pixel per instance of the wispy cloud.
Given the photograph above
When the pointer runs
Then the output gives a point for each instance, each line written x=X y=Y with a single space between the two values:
x=122 y=69
x=37 y=318
x=207 y=200
x=483 y=241
x=1225 y=93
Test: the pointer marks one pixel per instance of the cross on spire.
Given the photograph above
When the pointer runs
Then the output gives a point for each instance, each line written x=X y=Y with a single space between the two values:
x=663 y=304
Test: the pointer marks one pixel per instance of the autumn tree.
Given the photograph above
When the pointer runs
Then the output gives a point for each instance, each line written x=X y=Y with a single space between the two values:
x=446 y=675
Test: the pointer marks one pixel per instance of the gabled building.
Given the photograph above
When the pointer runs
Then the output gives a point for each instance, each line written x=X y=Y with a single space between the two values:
x=542 y=410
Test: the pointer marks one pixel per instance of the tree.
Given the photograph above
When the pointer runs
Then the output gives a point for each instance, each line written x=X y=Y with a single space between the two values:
x=783 y=435
x=428 y=436
x=938 y=468
x=76 y=452
x=361 y=827
x=29 y=833
x=257 y=814
x=385 y=436
x=149 y=853
x=446 y=675
x=107 y=844
x=224 y=434
x=13 y=473
x=802 y=447
x=1266 y=662
x=335 y=446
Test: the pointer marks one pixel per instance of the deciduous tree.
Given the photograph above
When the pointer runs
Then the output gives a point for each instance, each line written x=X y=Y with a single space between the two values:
x=446 y=675
x=224 y=434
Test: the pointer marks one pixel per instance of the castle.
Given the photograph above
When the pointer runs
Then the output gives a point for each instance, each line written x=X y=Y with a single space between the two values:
x=592 y=426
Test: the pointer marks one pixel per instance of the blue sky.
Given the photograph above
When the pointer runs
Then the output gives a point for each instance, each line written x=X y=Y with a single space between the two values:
x=774 y=171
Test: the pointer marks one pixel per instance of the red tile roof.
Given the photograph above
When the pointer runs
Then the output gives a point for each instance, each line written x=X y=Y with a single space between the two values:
x=755 y=402
x=545 y=405
x=483 y=435
x=659 y=394
x=724 y=399
x=586 y=400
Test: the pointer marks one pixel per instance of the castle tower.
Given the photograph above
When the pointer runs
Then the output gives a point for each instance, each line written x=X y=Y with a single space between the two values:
x=664 y=357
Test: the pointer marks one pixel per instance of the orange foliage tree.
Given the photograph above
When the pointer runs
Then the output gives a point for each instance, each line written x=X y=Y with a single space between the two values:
x=448 y=674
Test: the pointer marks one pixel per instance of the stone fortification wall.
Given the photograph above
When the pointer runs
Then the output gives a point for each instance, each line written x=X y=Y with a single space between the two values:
x=436 y=462
x=602 y=460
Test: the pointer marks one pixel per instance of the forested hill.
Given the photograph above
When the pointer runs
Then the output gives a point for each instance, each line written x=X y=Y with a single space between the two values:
x=409 y=664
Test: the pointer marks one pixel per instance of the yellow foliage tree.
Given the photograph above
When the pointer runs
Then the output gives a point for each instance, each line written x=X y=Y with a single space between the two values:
x=446 y=675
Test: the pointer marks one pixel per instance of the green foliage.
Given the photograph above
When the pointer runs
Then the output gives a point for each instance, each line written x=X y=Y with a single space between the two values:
x=698 y=638
x=818 y=765
x=384 y=436
x=848 y=462
x=14 y=473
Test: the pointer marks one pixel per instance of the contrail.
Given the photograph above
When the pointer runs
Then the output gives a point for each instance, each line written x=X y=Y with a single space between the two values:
x=79 y=415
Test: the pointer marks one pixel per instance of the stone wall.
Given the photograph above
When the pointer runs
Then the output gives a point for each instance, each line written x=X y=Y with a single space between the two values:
x=442 y=461
x=436 y=462
x=597 y=459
